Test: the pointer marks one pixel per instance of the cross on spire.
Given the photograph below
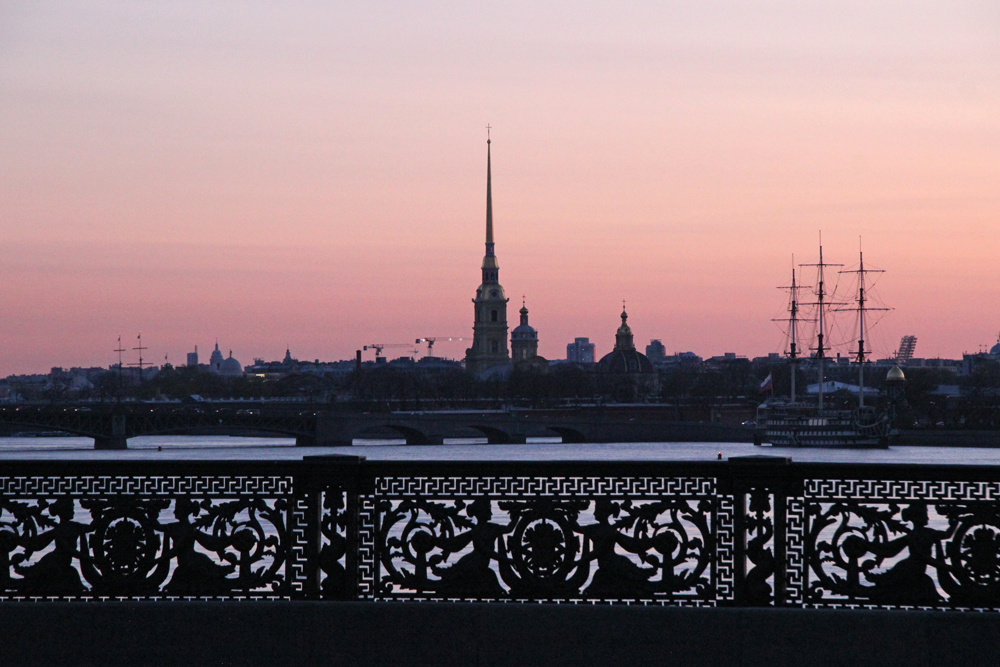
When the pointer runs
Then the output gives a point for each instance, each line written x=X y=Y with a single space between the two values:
x=488 y=128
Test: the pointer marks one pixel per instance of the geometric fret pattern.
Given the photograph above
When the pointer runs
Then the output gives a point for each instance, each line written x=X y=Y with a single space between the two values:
x=656 y=533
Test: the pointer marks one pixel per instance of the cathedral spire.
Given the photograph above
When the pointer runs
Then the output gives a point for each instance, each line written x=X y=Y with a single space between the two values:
x=489 y=198
x=490 y=264
x=489 y=344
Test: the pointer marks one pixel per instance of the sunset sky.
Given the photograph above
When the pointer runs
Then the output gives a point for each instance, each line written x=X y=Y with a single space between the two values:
x=312 y=174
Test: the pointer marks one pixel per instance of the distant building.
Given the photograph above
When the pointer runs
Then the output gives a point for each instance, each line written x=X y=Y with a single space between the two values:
x=524 y=346
x=227 y=366
x=489 y=342
x=192 y=357
x=215 y=361
x=629 y=375
x=655 y=351
x=231 y=367
x=686 y=359
x=725 y=359
x=524 y=339
x=580 y=351
x=625 y=359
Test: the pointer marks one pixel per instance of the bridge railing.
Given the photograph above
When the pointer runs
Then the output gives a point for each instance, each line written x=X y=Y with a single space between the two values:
x=757 y=531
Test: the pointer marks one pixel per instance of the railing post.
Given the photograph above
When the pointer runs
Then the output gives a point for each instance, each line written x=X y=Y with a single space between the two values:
x=759 y=529
x=333 y=528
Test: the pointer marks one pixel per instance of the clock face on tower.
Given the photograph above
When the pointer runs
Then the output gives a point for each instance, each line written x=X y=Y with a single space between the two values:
x=494 y=294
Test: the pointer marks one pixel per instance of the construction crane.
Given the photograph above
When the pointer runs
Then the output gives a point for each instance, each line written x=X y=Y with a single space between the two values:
x=378 y=347
x=430 y=342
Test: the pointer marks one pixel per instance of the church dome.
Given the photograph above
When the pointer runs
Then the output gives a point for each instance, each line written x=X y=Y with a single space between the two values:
x=895 y=374
x=625 y=359
x=231 y=366
x=995 y=350
x=215 y=361
x=524 y=331
x=625 y=362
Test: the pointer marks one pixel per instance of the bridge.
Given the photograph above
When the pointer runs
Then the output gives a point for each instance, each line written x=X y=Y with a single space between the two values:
x=111 y=425
x=752 y=561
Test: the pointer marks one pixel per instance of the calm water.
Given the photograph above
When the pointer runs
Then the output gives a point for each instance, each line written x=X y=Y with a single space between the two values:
x=233 y=449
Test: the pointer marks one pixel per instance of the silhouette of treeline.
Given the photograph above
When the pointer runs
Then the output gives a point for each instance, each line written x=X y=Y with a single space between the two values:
x=972 y=401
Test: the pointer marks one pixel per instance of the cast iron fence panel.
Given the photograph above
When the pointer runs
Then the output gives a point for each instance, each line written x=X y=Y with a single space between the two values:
x=752 y=532
x=903 y=543
x=580 y=533
x=78 y=531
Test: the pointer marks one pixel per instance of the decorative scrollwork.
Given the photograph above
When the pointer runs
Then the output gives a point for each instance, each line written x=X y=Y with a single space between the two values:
x=333 y=550
x=914 y=554
x=212 y=547
x=546 y=548
x=760 y=534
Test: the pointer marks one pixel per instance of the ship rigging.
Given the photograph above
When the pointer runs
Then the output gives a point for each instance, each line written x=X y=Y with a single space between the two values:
x=793 y=421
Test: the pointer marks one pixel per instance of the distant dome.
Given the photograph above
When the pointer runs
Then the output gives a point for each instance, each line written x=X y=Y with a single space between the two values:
x=215 y=362
x=231 y=366
x=625 y=359
x=895 y=374
x=524 y=330
x=622 y=362
x=995 y=350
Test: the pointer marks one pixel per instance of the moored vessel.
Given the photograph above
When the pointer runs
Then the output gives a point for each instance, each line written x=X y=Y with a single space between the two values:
x=798 y=422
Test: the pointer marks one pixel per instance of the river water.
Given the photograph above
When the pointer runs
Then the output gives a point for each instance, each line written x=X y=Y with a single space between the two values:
x=154 y=448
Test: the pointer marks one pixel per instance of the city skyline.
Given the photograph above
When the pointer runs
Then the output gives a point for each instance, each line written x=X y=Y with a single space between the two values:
x=312 y=178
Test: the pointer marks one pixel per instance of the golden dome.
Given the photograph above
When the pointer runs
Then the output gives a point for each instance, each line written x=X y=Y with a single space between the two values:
x=895 y=374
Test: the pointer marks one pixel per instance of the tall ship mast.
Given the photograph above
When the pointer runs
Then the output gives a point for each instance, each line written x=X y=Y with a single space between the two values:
x=793 y=320
x=861 y=309
x=788 y=422
x=822 y=305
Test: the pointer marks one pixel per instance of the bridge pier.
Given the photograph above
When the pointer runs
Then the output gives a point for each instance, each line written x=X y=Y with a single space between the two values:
x=305 y=441
x=111 y=442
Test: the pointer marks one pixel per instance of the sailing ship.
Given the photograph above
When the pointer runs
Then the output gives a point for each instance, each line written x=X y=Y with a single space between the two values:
x=797 y=422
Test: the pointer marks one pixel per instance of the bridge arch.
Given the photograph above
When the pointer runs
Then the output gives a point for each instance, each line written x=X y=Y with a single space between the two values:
x=496 y=436
x=569 y=435
x=414 y=436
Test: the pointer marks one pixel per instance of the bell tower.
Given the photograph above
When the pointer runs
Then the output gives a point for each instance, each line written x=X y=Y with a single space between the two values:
x=489 y=339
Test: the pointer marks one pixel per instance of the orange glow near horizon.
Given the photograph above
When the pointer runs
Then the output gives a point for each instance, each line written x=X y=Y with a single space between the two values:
x=314 y=178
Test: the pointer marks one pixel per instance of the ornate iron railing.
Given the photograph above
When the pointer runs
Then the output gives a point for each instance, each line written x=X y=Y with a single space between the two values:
x=756 y=531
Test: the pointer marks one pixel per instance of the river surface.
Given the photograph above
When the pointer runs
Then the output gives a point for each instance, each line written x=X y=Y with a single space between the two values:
x=201 y=448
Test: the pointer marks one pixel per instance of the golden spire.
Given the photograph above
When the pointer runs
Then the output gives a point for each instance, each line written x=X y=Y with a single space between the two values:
x=490 y=264
x=489 y=198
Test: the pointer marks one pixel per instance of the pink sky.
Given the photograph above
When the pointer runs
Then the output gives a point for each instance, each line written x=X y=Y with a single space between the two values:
x=290 y=174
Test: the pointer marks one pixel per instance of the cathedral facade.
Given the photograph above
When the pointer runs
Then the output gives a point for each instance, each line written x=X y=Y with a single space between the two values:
x=489 y=340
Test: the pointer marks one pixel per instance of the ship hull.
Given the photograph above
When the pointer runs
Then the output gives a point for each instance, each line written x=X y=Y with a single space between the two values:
x=802 y=426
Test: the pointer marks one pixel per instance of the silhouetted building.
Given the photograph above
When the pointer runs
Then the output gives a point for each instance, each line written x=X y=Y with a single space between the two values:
x=524 y=339
x=215 y=361
x=625 y=358
x=524 y=346
x=231 y=367
x=580 y=351
x=489 y=341
x=655 y=351
x=192 y=357
x=629 y=374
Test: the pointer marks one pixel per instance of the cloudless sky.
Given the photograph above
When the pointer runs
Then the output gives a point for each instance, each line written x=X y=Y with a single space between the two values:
x=312 y=174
